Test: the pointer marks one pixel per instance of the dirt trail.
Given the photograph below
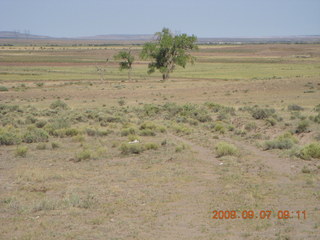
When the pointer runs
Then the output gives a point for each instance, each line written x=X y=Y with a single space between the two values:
x=281 y=166
x=203 y=153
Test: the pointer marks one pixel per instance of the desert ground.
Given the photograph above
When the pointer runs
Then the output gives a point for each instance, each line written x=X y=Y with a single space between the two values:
x=227 y=148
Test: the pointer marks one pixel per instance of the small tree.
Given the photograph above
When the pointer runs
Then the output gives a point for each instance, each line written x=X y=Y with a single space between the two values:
x=127 y=61
x=168 y=51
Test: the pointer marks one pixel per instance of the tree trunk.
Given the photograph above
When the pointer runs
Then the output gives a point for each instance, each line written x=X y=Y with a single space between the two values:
x=129 y=74
x=165 y=76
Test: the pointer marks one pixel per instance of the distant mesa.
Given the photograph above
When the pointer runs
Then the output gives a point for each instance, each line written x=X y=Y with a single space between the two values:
x=148 y=37
x=21 y=35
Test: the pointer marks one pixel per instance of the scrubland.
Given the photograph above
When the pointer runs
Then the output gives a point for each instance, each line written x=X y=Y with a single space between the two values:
x=87 y=154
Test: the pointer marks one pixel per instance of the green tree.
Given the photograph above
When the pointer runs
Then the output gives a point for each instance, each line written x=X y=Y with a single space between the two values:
x=126 y=61
x=168 y=51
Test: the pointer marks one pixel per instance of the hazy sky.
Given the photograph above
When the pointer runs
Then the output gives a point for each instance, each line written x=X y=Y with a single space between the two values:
x=204 y=18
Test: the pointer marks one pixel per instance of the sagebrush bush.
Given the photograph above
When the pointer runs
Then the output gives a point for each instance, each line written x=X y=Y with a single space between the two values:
x=70 y=132
x=55 y=145
x=295 y=107
x=250 y=126
x=262 y=113
x=151 y=146
x=9 y=136
x=97 y=132
x=41 y=146
x=134 y=148
x=285 y=141
x=83 y=155
x=128 y=131
x=302 y=126
x=225 y=149
x=56 y=124
x=58 y=104
x=41 y=123
x=180 y=128
x=34 y=135
x=147 y=132
x=21 y=151
x=148 y=125
x=309 y=151
x=218 y=127
x=3 y=89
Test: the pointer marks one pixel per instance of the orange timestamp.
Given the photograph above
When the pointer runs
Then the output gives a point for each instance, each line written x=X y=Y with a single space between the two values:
x=262 y=214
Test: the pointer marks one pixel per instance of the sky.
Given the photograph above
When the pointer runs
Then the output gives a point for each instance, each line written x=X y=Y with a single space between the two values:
x=203 y=18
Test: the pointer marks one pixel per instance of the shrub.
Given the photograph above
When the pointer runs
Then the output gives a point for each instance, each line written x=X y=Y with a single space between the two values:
x=302 y=126
x=309 y=151
x=316 y=118
x=271 y=121
x=41 y=146
x=3 y=89
x=21 y=151
x=70 y=132
x=225 y=149
x=179 y=128
x=259 y=113
x=84 y=155
x=56 y=124
x=148 y=125
x=147 y=132
x=317 y=108
x=128 y=131
x=8 y=136
x=151 y=146
x=218 y=127
x=305 y=169
x=41 y=123
x=121 y=102
x=180 y=148
x=250 y=126
x=55 y=145
x=58 y=104
x=35 y=135
x=134 y=148
x=295 y=107
x=285 y=141
x=78 y=138
x=30 y=119
x=220 y=108
x=39 y=84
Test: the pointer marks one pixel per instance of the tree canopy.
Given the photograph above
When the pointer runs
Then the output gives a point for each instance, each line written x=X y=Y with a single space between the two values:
x=127 y=61
x=168 y=51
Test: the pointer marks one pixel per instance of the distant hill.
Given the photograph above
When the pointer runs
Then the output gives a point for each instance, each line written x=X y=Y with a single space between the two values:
x=139 y=38
x=19 y=35
x=285 y=39
x=120 y=37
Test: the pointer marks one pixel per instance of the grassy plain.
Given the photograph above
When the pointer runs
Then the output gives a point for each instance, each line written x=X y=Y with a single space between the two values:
x=239 y=130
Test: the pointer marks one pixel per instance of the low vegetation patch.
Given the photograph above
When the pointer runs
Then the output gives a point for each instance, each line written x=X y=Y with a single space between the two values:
x=309 y=151
x=285 y=141
x=302 y=126
x=84 y=155
x=58 y=104
x=295 y=107
x=9 y=136
x=131 y=148
x=225 y=149
x=3 y=89
x=34 y=135
x=21 y=151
